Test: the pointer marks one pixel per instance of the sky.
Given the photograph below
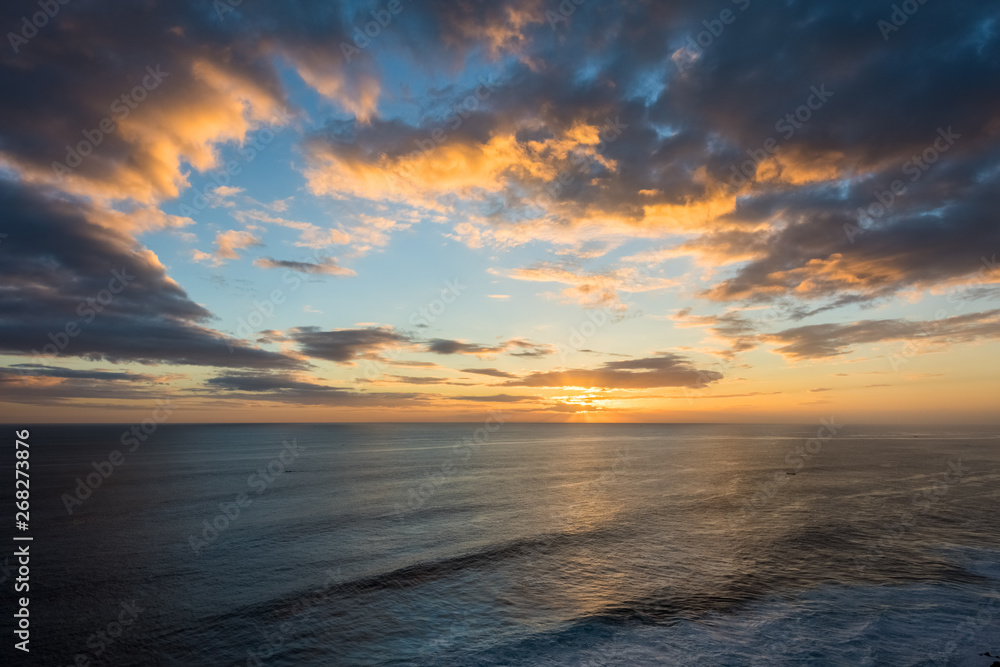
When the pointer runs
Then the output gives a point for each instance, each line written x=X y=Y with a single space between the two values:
x=575 y=211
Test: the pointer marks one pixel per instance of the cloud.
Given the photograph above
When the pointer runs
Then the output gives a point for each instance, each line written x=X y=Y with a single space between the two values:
x=41 y=384
x=495 y=398
x=221 y=196
x=346 y=346
x=219 y=78
x=516 y=347
x=471 y=163
x=42 y=370
x=560 y=406
x=363 y=233
x=664 y=370
x=712 y=248
x=444 y=346
x=746 y=395
x=489 y=371
x=737 y=331
x=583 y=135
x=593 y=290
x=524 y=166
x=61 y=271
x=325 y=266
x=311 y=235
x=286 y=388
x=410 y=379
x=819 y=341
x=226 y=245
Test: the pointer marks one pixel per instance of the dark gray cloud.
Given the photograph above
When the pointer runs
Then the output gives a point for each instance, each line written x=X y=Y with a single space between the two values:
x=516 y=347
x=522 y=348
x=285 y=388
x=39 y=384
x=739 y=331
x=936 y=234
x=818 y=341
x=688 y=125
x=69 y=75
x=76 y=288
x=444 y=346
x=493 y=372
x=664 y=370
x=346 y=346
x=328 y=266
x=41 y=370
x=412 y=379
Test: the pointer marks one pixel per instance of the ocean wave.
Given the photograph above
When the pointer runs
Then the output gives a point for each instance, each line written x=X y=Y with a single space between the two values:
x=904 y=626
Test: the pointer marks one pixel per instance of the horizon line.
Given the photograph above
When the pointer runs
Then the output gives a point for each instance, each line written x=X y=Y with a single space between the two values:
x=553 y=423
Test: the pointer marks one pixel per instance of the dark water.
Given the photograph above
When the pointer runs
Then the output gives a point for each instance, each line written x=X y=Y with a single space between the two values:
x=543 y=545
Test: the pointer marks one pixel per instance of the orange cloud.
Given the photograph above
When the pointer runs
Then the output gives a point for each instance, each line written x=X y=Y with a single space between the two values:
x=226 y=245
x=595 y=289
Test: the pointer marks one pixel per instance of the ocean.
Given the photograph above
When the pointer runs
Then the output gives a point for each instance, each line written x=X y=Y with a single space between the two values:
x=511 y=544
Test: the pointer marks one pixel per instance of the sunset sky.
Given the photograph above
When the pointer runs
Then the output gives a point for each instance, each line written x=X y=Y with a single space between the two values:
x=587 y=211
